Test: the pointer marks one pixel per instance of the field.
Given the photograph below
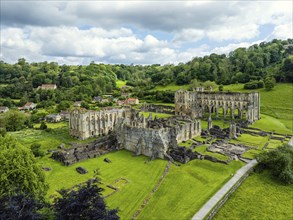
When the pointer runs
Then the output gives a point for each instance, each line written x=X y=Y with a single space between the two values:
x=141 y=175
x=186 y=188
x=259 y=197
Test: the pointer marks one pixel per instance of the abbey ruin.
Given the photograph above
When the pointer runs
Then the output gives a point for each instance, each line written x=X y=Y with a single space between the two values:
x=197 y=103
x=159 y=137
x=134 y=132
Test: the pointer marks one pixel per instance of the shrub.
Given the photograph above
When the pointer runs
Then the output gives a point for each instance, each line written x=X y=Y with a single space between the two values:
x=36 y=149
x=279 y=162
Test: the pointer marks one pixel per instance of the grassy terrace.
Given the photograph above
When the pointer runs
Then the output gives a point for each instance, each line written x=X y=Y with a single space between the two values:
x=259 y=197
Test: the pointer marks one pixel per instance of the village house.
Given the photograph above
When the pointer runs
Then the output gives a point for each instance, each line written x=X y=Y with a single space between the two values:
x=120 y=102
x=53 y=118
x=97 y=99
x=77 y=104
x=48 y=87
x=132 y=101
x=3 y=109
x=28 y=106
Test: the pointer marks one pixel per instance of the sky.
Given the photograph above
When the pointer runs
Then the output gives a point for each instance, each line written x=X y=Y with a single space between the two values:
x=136 y=32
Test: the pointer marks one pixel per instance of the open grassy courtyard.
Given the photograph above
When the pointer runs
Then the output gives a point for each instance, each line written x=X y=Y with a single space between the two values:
x=259 y=197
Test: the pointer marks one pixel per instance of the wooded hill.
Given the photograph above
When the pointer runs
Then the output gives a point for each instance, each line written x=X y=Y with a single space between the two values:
x=19 y=80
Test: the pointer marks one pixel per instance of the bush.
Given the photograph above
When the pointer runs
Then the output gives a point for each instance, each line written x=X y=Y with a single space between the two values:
x=221 y=88
x=255 y=84
x=270 y=83
x=279 y=162
x=36 y=149
x=43 y=126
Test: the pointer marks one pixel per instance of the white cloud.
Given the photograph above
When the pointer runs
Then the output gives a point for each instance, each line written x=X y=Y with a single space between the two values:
x=283 y=31
x=81 y=31
x=189 y=35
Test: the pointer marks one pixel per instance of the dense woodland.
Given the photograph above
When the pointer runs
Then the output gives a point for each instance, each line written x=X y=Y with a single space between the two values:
x=244 y=65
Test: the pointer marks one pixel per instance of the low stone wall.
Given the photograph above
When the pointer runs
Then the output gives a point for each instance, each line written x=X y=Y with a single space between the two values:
x=215 y=210
x=81 y=152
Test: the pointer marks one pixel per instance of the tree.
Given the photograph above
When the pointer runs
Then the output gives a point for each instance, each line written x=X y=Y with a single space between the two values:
x=20 y=207
x=269 y=83
x=83 y=202
x=14 y=120
x=43 y=126
x=20 y=172
x=221 y=88
x=279 y=162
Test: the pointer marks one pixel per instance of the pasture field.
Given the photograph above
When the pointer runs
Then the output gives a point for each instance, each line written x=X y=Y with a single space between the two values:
x=259 y=197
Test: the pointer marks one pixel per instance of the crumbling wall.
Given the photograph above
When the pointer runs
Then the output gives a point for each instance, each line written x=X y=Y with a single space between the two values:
x=150 y=142
x=81 y=152
x=196 y=104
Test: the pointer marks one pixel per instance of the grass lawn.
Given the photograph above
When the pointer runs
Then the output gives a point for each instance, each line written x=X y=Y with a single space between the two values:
x=268 y=123
x=186 y=188
x=155 y=114
x=120 y=83
x=141 y=177
x=250 y=140
x=48 y=140
x=259 y=197
x=203 y=150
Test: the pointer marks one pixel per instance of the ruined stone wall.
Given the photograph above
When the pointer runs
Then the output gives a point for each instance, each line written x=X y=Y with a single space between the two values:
x=147 y=136
x=86 y=124
x=196 y=104
x=188 y=130
x=150 y=142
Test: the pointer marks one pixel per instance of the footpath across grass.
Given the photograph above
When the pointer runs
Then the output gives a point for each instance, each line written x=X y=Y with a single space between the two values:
x=259 y=197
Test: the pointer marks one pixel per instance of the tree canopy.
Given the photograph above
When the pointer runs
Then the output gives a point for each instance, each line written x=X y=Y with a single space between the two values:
x=279 y=162
x=19 y=172
x=83 y=202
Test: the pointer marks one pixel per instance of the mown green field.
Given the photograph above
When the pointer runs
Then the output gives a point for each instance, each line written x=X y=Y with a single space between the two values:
x=142 y=175
x=259 y=197
x=186 y=188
